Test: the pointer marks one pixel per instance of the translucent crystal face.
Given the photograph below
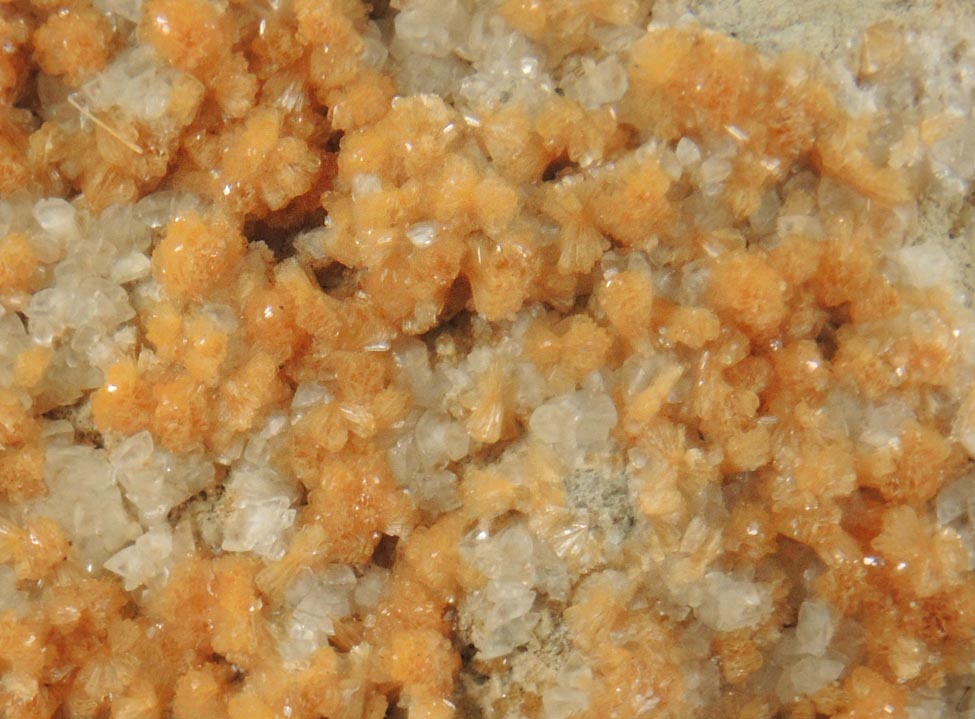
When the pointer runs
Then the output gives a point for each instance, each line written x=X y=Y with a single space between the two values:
x=494 y=359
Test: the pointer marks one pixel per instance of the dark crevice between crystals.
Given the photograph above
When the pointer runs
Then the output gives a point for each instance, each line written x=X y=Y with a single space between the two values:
x=336 y=279
x=559 y=168
x=384 y=555
x=280 y=239
x=393 y=709
x=79 y=415
x=334 y=141
x=826 y=341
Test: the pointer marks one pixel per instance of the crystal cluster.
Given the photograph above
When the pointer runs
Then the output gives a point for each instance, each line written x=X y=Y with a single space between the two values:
x=507 y=359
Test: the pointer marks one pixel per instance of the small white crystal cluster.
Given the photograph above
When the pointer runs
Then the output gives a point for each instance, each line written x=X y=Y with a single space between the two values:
x=519 y=571
x=728 y=604
x=440 y=433
x=313 y=601
x=932 y=85
x=138 y=89
x=95 y=267
x=260 y=512
x=124 y=10
x=955 y=509
x=137 y=83
x=808 y=666
x=86 y=501
x=258 y=499
x=150 y=556
x=574 y=421
x=11 y=598
x=82 y=312
x=107 y=500
x=465 y=51
x=536 y=564
x=431 y=439
x=154 y=482
x=114 y=504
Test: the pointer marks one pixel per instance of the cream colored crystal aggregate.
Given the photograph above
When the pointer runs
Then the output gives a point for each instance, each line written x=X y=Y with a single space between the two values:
x=499 y=359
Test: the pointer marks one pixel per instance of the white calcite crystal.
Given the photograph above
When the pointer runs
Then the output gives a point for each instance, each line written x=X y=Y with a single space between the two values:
x=131 y=267
x=57 y=309
x=808 y=657
x=597 y=83
x=13 y=340
x=422 y=234
x=963 y=428
x=440 y=439
x=419 y=459
x=11 y=598
x=414 y=362
x=137 y=82
x=926 y=265
x=316 y=600
x=815 y=628
x=519 y=569
x=86 y=501
x=154 y=479
x=83 y=312
x=259 y=514
x=575 y=421
x=130 y=10
x=432 y=27
x=370 y=588
x=714 y=170
x=58 y=219
x=956 y=501
x=729 y=604
x=148 y=557
x=687 y=151
x=506 y=65
x=880 y=426
x=262 y=444
x=808 y=675
x=504 y=619
x=309 y=394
